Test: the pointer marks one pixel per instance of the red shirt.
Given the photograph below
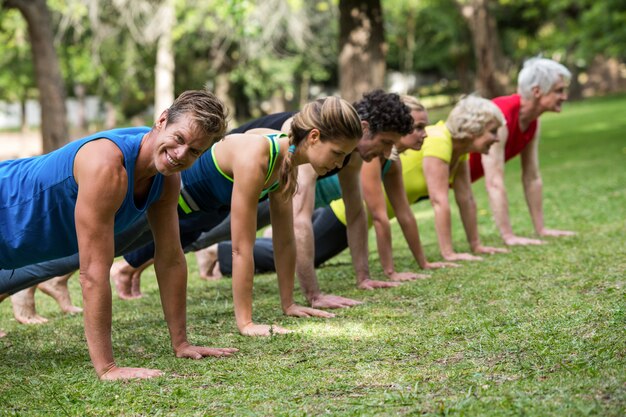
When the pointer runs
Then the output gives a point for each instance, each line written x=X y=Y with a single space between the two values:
x=517 y=139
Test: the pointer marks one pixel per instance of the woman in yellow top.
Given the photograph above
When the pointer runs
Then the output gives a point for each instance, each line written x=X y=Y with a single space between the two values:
x=472 y=126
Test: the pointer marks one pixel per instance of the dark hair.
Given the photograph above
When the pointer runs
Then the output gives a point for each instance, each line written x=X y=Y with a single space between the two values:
x=385 y=112
x=207 y=111
x=336 y=120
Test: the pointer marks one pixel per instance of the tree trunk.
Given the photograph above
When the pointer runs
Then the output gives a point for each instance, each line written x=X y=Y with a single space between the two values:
x=491 y=77
x=24 y=120
x=47 y=71
x=362 y=48
x=165 y=62
x=222 y=91
x=81 y=117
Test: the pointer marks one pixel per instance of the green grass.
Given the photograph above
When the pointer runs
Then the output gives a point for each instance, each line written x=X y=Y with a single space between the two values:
x=540 y=331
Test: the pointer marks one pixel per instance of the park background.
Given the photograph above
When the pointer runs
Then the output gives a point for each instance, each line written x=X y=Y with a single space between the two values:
x=539 y=331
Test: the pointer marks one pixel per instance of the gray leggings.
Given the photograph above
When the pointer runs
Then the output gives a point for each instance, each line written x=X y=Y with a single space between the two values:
x=14 y=280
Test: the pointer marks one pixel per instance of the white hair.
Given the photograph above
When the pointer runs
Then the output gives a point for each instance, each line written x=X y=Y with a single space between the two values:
x=542 y=73
x=470 y=117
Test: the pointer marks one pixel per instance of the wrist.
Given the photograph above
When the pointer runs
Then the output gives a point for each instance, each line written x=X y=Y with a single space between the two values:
x=287 y=306
x=362 y=277
x=105 y=370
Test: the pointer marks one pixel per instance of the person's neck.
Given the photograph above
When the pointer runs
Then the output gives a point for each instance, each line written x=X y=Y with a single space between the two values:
x=528 y=112
x=144 y=165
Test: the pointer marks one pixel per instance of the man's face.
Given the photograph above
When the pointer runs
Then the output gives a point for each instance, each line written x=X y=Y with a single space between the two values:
x=178 y=144
x=553 y=99
x=378 y=144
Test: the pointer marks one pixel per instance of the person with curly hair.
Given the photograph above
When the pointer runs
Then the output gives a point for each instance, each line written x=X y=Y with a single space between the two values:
x=381 y=112
x=385 y=119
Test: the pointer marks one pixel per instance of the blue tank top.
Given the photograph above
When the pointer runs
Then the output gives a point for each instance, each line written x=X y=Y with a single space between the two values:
x=38 y=199
x=206 y=187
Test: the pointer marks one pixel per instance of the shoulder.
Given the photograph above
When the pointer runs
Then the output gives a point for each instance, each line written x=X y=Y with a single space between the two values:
x=508 y=104
x=99 y=158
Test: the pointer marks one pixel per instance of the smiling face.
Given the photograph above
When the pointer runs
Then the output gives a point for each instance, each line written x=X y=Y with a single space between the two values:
x=178 y=144
x=415 y=139
x=483 y=142
x=328 y=155
x=554 y=99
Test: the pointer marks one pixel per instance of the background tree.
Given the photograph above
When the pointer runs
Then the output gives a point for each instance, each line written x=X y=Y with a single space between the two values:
x=17 y=80
x=50 y=84
x=491 y=75
x=362 y=47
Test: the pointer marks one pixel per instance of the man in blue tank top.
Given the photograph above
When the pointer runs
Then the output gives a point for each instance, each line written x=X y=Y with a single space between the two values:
x=77 y=198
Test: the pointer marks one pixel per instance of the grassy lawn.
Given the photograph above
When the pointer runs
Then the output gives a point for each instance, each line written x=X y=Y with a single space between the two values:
x=540 y=331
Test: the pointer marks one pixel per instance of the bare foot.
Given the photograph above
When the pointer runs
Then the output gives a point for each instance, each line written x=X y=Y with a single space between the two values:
x=2 y=334
x=24 y=307
x=135 y=285
x=122 y=275
x=57 y=289
x=208 y=266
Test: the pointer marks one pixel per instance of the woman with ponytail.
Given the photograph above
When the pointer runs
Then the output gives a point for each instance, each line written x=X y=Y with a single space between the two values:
x=244 y=168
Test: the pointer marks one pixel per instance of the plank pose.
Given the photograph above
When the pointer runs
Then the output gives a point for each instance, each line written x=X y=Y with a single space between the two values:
x=428 y=172
x=541 y=88
x=76 y=199
x=384 y=119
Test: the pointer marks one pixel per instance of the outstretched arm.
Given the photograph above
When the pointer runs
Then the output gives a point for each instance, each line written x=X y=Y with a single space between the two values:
x=394 y=186
x=357 y=224
x=303 y=205
x=436 y=172
x=285 y=257
x=533 y=188
x=467 y=208
x=102 y=184
x=171 y=271
x=493 y=165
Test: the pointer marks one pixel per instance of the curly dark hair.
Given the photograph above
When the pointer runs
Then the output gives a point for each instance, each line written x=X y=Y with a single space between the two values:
x=385 y=112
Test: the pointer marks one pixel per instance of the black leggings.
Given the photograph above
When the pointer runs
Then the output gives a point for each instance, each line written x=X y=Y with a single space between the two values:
x=330 y=240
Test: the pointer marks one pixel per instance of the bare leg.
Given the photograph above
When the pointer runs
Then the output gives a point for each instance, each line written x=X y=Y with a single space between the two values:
x=57 y=289
x=24 y=307
x=127 y=279
x=135 y=286
x=207 y=261
x=122 y=275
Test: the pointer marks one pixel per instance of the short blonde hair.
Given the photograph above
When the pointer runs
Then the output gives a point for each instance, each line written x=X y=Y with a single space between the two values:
x=412 y=103
x=470 y=117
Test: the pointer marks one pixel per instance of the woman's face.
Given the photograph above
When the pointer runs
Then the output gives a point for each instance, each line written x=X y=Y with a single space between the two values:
x=415 y=139
x=328 y=155
x=483 y=142
x=554 y=99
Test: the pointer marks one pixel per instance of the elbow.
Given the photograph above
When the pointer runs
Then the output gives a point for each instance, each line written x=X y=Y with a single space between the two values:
x=380 y=222
x=494 y=184
x=438 y=203
x=532 y=181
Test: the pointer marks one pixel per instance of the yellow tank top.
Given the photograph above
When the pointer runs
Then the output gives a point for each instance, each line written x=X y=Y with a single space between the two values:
x=437 y=144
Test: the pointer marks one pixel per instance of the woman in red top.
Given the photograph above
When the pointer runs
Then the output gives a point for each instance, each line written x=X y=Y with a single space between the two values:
x=541 y=87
